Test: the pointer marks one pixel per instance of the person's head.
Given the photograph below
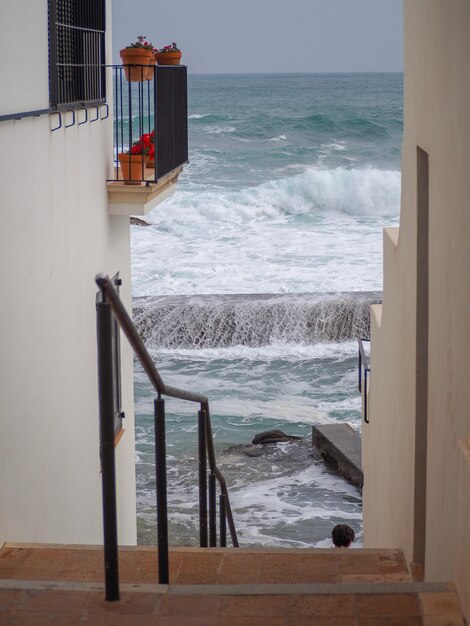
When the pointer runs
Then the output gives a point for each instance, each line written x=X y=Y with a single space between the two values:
x=342 y=535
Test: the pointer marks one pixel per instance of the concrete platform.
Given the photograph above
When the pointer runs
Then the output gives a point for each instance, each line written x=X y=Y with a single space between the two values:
x=340 y=446
x=82 y=604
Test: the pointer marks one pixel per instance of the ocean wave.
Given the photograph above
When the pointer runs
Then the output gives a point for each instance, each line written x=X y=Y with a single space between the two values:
x=317 y=121
x=350 y=127
x=275 y=351
x=365 y=127
x=207 y=118
x=197 y=322
x=317 y=127
x=341 y=145
x=315 y=231
x=221 y=130
x=367 y=191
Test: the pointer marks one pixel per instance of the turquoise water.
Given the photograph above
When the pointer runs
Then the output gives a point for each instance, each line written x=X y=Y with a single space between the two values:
x=290 y=183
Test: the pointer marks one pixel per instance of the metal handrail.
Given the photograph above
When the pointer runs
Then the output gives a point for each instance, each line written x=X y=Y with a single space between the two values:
x=125 y=322
x=364 y=367
x=218 y=474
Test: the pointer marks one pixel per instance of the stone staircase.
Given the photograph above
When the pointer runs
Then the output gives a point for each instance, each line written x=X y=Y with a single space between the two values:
x=52 y=584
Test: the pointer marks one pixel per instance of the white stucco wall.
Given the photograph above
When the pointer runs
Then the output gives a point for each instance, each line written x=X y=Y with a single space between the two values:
x=437 y=104
x=388 y=439
x=56 y=235
x=24 y=54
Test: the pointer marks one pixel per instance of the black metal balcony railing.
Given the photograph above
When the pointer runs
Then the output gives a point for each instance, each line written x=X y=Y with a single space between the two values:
x=156 y=103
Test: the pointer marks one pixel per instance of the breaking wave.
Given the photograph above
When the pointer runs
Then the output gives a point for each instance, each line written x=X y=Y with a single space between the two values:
x=364 y=192
x=210 y=321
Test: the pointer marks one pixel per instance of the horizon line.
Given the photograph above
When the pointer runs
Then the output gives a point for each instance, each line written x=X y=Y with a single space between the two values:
x=342 y=73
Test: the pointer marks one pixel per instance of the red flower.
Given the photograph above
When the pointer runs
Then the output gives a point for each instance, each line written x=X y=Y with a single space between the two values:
x=145 y=145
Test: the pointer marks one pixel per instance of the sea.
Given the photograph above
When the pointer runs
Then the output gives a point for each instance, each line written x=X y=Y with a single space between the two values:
x=251 y=285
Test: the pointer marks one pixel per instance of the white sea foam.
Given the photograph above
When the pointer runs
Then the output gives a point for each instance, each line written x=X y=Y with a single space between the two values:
x=317 y=231
x=210 y=321
x=282 y=498
x=263 y=387
x=356 y=192
x=276 y=502
x=340 y=146
x=290 y=408
x=291 y=353
x=221 y=130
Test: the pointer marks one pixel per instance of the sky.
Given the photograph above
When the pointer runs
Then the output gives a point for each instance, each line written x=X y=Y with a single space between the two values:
x=253 y=36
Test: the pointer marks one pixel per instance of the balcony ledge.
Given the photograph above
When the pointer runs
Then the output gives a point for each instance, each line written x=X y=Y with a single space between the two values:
x=141 y=199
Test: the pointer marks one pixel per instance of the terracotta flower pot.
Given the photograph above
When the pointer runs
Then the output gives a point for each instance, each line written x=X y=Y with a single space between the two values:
x=169 y=58
x=150 y=71
x=135 y=56
x=132 y=167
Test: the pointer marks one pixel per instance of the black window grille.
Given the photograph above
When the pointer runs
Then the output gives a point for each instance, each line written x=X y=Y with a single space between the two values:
x=77 y=75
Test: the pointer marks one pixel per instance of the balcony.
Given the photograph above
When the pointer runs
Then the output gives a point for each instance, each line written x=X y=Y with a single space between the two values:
x=150 y=116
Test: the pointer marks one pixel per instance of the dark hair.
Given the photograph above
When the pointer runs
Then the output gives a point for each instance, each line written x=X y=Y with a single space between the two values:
x=342 y=535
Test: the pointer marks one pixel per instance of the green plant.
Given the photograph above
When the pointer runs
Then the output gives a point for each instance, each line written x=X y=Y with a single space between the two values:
x=141 y=43
x=170 y=48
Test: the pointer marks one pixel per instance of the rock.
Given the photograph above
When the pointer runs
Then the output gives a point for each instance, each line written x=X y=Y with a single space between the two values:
x=245 y=448
x=136 y=221
x=256 y=448
x=273 y=436
x=254 y=451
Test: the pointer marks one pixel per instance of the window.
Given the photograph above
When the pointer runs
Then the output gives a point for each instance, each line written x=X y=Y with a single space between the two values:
x=77 y=74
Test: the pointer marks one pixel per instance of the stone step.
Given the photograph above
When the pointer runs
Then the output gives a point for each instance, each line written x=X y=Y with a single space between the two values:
x=58 y=604
x=219 y=566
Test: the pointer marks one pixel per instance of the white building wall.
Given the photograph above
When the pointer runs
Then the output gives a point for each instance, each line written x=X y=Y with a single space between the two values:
x=24 y=48
x=437 y=121
x=56 y=234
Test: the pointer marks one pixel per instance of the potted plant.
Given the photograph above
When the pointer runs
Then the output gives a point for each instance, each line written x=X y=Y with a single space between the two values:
x=137 y=54
x=151 y=148
x=134 y=160
x=147 y=141
x=169 y=55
